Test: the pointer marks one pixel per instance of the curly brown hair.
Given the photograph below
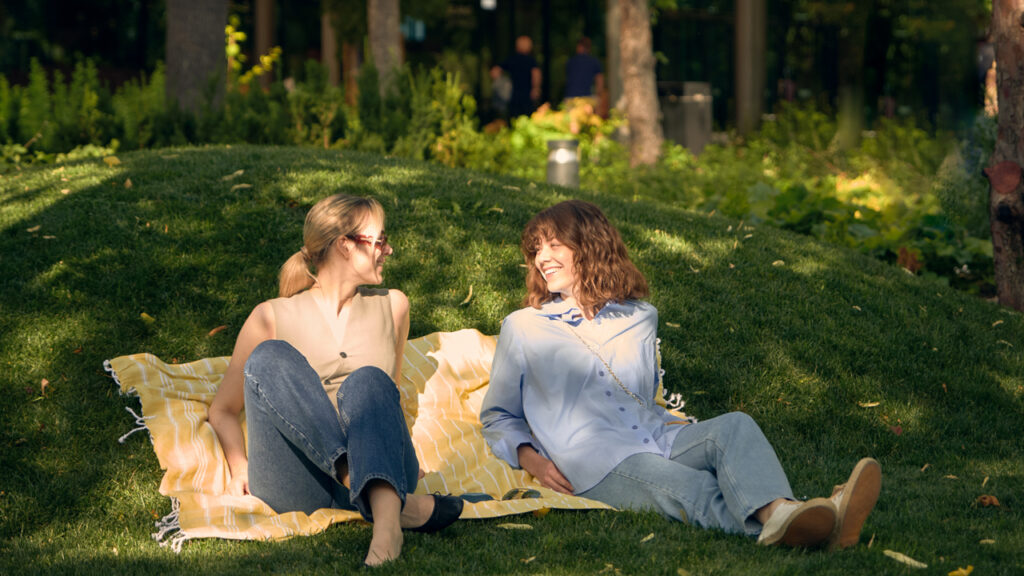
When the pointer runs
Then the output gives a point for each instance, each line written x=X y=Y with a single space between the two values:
x=602 y=268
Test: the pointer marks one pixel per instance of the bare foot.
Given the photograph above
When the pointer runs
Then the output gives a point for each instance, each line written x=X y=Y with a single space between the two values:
x=385 y=546
x=417 y=510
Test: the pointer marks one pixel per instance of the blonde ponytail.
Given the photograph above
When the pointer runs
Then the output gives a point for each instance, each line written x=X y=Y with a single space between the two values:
x=328 y=220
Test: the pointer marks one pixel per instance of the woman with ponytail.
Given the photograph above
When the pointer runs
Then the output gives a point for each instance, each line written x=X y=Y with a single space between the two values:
x=315 y=370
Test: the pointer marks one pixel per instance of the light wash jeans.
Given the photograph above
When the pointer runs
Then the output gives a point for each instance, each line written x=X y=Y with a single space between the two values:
x=296 y=437
x=720 y=472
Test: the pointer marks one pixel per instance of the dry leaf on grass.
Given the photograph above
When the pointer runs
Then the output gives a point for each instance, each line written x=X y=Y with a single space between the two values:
x=147 y=318
x=233 y=175
x=128 y=183
x=671 y=324
x=962 y=571
x=778 y=263
x=997 y=323
x=468 y=296
x=513 y=526
x=217 y=329
x=240 y=187
x=905 y=559
x=986 y=500
x=950 y=477
x=986 y=541
x=42 y=386
x=66 y=191
x=647 y=538
x=34 y=228
x=868 y=404
x=527 y=560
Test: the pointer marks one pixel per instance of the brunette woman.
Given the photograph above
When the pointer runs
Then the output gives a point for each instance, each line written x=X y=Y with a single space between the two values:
x=315 y=370
x=572 y=401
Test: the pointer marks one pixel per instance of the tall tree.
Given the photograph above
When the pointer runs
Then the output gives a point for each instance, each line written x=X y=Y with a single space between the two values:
x=750 y=61
x=638 y=84
x=852 y=44
x=382 y=19
x=1006 y=196
x=195 y=49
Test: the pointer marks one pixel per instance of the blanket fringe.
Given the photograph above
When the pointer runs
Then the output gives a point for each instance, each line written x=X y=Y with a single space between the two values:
x=117 y=382
x=169 y=532
x=140 y=424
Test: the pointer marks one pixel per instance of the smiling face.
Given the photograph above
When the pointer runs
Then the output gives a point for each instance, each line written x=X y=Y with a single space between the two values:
x=554 y=261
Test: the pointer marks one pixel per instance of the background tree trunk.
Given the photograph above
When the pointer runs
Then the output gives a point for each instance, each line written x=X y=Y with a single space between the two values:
x=382 y=19
x=638 y=83
x=195 y=49
x=613 y=69
x=1006 y=195
x=329 y=46
x=750 y=56
x=852 y=45
x=264 y=36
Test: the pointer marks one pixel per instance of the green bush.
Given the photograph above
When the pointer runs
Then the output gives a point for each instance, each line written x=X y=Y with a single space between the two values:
x=34 y=124
x=316 y=109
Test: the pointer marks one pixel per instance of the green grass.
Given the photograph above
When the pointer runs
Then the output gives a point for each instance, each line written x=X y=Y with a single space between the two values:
x=798 y=344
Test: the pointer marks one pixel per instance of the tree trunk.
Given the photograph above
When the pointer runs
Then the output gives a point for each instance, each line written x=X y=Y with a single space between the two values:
x=382 y=19
x=195 y=50
x=264 y=35
x=329 y=47
x=750 y=55
x=350 y=72
x=613 y=75
x=1006 y=195
x=852 y=47
x=638 y=83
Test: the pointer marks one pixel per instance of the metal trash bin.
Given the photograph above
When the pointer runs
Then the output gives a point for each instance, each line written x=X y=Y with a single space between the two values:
x=563 y=163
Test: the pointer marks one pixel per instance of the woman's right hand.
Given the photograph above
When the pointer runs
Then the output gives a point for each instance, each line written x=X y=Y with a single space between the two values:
x=239 y=485
x=543 y=470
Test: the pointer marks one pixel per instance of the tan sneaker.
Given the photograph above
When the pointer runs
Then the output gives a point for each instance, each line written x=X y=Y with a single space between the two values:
x=854 y=500
x=800 y=524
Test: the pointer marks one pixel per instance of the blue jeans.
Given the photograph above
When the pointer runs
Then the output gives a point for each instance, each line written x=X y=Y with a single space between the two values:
x=719 y=473
x=296 y=438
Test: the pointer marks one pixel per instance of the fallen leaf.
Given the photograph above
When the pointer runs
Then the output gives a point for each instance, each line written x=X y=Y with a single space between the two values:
x=778 y=263
x=34 y=228
x=748 y=236
x=731 y=265
x=962 y=571
x=77 y=350
x=997 y=323
x=468 y=296
x=868 y=404
x=42 y=385
x=217 y=329
x=147 y=318
x=541 y=512
x=496 y=209
x=111 y=161
x=986 y=541
x=49 y=237
x=897 y=430
x=905 y=559
x=647 y=538
x=512 y=526
x=671 y=324
x=908 y=260
x=128 y=183
x=857 y=308
x=872 y=541
x=66 y=191
x=925 y=467
x=527 y=560
x=985 y=500
x=1004 y=342
x=694 y=270
x=950 y=477
x=985 y=481
x=233 y=175
x=240 y=187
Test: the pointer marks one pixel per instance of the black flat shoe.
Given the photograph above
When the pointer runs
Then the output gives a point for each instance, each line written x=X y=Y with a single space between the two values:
x=446 y=511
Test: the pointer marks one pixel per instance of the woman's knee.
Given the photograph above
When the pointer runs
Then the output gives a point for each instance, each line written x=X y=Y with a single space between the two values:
x=368 y=382
x=270 y=360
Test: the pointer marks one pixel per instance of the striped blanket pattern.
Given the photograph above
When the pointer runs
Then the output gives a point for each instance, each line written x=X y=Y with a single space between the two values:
x=444 y=379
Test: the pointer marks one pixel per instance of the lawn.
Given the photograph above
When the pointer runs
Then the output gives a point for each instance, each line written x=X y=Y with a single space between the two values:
x=836 y=355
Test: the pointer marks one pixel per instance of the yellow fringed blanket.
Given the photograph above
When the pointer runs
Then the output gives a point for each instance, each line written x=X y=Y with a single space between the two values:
x=444 y=379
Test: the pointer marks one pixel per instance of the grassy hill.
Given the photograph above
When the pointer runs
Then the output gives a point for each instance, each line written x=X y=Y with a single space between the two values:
x=803 y=336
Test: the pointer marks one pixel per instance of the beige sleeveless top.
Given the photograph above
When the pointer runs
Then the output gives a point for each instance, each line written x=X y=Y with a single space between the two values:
x=368 y=338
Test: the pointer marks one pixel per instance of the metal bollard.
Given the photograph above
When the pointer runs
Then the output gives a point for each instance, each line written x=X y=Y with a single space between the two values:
x=563 y=163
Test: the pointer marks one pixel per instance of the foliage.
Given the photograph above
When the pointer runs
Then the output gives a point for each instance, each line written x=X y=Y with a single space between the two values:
x=35 y=126
x=316 y=108
x=237 y=79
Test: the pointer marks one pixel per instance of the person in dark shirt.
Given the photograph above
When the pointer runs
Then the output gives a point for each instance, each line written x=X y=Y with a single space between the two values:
x=583 y=73
x=525 y=75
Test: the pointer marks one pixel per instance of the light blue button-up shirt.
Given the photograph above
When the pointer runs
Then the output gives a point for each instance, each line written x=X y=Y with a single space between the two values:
x=550 y=391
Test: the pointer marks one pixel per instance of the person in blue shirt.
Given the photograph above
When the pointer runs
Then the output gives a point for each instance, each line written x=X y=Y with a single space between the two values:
x=572 y=400
x=583 y=73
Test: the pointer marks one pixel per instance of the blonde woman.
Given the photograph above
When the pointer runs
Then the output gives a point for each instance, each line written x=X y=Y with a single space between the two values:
x=315 y=370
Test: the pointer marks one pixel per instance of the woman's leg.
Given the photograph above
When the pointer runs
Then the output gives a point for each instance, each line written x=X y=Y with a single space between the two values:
x=294 y=434
x=747 y=471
